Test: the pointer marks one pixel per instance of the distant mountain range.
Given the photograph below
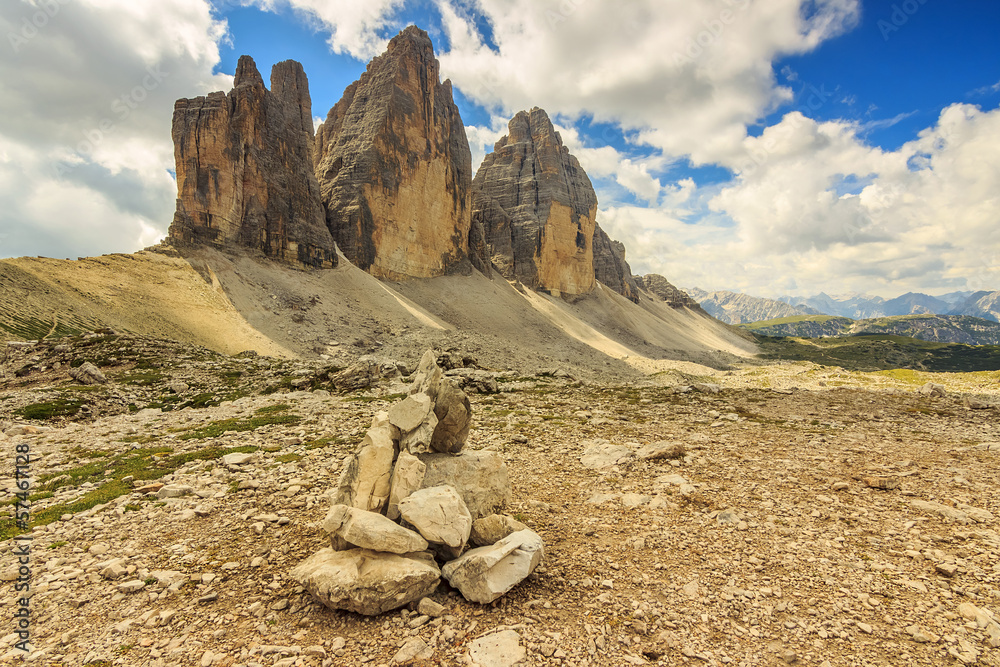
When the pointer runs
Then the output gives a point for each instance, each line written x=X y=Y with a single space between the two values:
x=933 y=328
x=736 y=308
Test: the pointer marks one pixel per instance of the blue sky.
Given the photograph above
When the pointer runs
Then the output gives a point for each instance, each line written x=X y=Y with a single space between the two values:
x=787 y=146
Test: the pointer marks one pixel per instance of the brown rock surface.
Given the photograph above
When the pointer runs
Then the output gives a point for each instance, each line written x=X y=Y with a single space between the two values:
x=394 y=166
x=661 y=287
x=537 y=208
x=610 y=266
x=244 y=174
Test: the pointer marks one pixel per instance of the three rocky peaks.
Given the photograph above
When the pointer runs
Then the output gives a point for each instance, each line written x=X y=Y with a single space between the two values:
x=387 y=180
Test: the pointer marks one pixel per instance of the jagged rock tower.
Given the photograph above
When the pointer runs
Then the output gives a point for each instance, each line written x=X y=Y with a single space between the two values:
x=538 y=209
x=244 y=169
x=394 y=166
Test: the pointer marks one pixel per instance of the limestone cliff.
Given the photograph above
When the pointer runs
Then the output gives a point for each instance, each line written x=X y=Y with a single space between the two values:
x=394 y=166
x=244 y=169
x=537 y=208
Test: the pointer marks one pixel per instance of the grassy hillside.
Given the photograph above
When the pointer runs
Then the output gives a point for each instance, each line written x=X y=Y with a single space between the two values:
x=874 y=352
x=932 y=328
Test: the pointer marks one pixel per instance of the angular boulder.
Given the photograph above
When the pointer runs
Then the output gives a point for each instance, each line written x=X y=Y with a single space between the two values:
x=479 y=477
x=366 y=582
x=364 y=482
x=484 y=574
x=350 y=527
x=440 y=515
x=451 y=406
x=88 y=373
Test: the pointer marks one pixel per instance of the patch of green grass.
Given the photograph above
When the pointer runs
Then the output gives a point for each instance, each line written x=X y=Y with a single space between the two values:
x=88 y=453
x=288 y=458
x=361 y=398
x=56 y=545
x=60 y=407
x=215 y=429
x=142 y=378
x=140 y=439
x=204 y=400
x=141 y=464
x=870 y=353
x=268 y=409
x=84 y=388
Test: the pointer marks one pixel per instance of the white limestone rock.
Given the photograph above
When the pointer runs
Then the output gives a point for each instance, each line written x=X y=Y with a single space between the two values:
x=367 y=582
x=350 y=527
x=440 y=515
x=484 y=574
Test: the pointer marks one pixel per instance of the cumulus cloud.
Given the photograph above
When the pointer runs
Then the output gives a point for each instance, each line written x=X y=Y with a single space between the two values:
x=86 y=95
x=356 y=28
x=813 y=206
x=688 y=76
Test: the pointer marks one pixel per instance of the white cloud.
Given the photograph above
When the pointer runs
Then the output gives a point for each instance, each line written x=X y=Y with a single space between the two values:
x=482 y=139
x=86 y=98
x=356 y=28
x=688 y=76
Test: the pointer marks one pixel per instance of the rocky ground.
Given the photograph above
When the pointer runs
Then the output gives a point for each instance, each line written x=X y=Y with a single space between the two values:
x=803 y=515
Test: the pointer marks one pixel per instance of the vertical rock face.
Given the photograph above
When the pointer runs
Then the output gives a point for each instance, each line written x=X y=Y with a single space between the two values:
x=611 y=268
x=537 y=208
x=244 y=169
x=394 y=166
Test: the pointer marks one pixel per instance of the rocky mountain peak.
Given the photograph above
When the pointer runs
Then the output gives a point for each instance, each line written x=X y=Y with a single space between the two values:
x=244 y=169
x=247 y=73
x=394 y=166
x=290 y=85
x=538 y=209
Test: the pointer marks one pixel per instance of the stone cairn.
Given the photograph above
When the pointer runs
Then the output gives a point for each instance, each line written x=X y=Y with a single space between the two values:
x=410 y=498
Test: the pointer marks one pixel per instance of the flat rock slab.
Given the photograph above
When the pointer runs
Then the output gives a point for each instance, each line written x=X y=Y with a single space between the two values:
x=236 y=459
x=364 y=482
x=366 y=582
x=484 y=574
x=369 y=530
x=600 y=455
x=500 y=649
